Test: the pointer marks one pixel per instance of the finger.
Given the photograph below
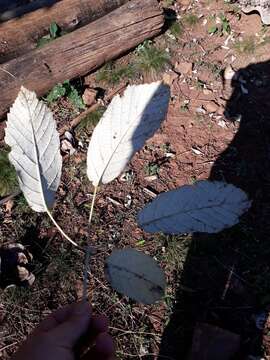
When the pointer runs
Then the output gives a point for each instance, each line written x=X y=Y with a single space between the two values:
x=54 y=319
x=98 y=324
x=102 y=350
x=75 y=325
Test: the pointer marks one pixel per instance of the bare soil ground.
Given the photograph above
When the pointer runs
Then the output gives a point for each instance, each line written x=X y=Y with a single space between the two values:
x=215 y=129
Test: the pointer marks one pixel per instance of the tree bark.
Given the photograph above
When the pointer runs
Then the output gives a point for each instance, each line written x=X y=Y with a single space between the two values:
x=20 y=35
x=81 y=51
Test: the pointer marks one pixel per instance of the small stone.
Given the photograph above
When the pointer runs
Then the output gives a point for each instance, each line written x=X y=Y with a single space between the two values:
x=200 y=110
x=207 y=91
x=222 y=124
x=169 y=77
x=183 y=67
x=229 y=73
x=210 y=107
x=89 y=96
x=220 y=110
x=151 y=178
x=67 y=147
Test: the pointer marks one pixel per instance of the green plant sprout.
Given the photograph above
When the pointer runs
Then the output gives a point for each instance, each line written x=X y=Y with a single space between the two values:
x=54 y=33
x=224 y=28
x=191 y=20
x=8 y=178
x=68 y=90
x=151 y=59
x=113 y=74
x=246 y=46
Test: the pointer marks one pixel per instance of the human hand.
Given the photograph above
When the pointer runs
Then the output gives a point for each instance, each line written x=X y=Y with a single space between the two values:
x=62 y=333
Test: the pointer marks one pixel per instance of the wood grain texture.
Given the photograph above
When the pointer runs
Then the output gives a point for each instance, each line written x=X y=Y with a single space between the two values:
x=81 y=51
x=20 y=35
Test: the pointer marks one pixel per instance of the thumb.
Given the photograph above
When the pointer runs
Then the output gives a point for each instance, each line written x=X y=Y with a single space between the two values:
x=68 y=332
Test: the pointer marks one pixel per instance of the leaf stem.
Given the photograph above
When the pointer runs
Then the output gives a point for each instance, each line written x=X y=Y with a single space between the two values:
x=88 y=249
x=92 y=205
x=60 y=230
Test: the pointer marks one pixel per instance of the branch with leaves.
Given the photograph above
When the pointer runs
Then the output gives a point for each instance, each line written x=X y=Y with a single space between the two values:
x=127 y=124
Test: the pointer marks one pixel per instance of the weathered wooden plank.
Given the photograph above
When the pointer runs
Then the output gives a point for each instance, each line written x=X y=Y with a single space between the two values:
x=81 y=51
x=20 y=35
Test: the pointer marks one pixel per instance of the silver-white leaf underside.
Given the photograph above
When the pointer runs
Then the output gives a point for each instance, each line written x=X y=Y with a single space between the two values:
x=125 y=126
x=135 y=274
x=203 y=207
x=35 y=149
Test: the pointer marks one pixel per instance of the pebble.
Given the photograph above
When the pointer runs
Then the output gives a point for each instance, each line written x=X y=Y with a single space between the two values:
x=229 y=73
x=89 y=96
x=210 y=107
x=184 y=67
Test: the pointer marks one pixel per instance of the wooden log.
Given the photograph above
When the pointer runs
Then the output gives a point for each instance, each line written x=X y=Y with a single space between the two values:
x=81 y=51
x=20 y=35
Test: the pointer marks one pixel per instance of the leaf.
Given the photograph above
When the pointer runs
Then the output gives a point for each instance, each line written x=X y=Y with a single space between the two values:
x=56 y=92
x=75 y=98
x=203 y=207
x=123 y=129
x=35 y=149
x=54 y=30
x=132 y=273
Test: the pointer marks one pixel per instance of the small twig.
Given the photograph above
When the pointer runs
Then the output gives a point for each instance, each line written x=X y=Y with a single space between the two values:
x=236 y=275
x=60 y=229
x=228 y=282
x=88 y=249
x=92 y=205
x=148 y=354
x=7 y=72
x=133 y=332
x=150 y=193
x=8 y=346
x=113 y=201
x=75 y=122
x=86 y=271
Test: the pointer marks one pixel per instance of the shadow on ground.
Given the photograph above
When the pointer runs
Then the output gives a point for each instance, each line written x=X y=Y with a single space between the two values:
x=205 y=292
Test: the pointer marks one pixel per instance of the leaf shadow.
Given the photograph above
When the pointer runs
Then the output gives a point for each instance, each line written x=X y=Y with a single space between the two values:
x=206 y=293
